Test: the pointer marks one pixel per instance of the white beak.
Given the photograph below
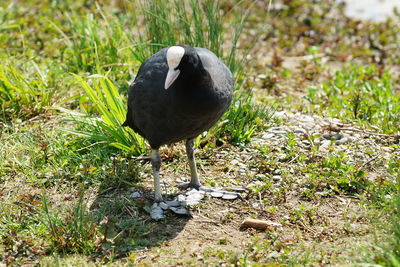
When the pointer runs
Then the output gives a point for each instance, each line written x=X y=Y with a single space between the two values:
x=171 y=77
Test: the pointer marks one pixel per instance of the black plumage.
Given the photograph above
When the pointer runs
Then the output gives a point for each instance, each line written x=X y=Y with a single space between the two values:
x=193 y=103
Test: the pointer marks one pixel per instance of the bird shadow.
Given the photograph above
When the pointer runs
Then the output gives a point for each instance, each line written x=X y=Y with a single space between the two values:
x=126 y=225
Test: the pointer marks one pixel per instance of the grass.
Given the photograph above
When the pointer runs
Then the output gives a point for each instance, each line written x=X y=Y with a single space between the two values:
x=105 y=100
x=22 y=96
x=75 y=233
x=360 y=94
x=389 y=251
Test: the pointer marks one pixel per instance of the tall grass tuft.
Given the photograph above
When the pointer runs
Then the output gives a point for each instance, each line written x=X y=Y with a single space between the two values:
x=196 y=23
x=22 y=96
x=360 y=94
x=242 y=120
x=97 y=43
x=75 y=231
x=107 y=102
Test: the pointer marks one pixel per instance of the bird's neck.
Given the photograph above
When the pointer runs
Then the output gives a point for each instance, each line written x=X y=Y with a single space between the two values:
x=197 y=81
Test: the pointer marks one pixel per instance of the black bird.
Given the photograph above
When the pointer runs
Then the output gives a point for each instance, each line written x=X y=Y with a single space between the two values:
x=178 y=93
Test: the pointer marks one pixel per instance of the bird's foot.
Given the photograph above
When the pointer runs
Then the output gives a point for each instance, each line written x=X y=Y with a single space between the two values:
x=157 y=210
x=191 y=197
x=189 y=185
x=194 y=196
x=158 y=199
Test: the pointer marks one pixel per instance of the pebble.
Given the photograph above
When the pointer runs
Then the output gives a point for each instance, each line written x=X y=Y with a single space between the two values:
x=206 y=189
x=234 y=162
x=193 y=191
x=237 y=188
x=180 y=211
x=164 y=205
x=275 y=128
x=327 y=136
x=279 y=132
x=337 y=136
x=306 y=142
x=135 y=195
x=342 y=141
x=196 y=196
x=192 y=202
x=173 y=203
x=277 y=177
x=216 y=194
x=299 y=131
x=268 y=136
x=230 y=196
x=190 y=198
x=180 y=198
x=156 y=212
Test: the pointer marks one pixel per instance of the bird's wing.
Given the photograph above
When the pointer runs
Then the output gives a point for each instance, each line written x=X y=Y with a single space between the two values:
x=220 y=73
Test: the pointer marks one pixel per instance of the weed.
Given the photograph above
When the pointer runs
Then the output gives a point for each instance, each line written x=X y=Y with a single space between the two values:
x=333 y=175
x=74 y=232
x=242 y=120
x=389 y=253
x=191 y=22
x=21 y=96
x=112 y=109
x=360 y=94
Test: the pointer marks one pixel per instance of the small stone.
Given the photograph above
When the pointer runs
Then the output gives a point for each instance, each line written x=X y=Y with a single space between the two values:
x=216 y=194
x=234 y=162
x=206 y=189
x=237 y=188
x=164 y=205
x=173 y=203
x=180 y=180
x=180 y=198
x=135 y=195
x=337 y=136
x=342 y=141
x=230 y=196
x=327 y=136
x=180 y=211
x=277 y=177
x=197 y=196
x=299 y=131
x=156 y=212
x=193 y=191
x=191 y=202
x=306 y=142
x=279 y=132
x=325 y=144
x=268 y=136
x=276 y=128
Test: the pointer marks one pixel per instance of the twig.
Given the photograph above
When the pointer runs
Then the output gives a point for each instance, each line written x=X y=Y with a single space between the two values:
x=368 y=162
x=368 y=132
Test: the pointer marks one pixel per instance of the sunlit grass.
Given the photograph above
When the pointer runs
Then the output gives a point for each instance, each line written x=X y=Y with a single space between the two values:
x=360 y=94
x=22 y=95
x=105 y=100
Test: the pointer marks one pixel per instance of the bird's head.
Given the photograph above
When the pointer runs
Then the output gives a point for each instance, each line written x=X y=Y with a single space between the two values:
x=180 y=58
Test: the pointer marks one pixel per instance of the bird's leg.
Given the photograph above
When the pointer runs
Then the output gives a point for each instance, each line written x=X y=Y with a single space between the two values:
x=156 y=164
x=194 y=177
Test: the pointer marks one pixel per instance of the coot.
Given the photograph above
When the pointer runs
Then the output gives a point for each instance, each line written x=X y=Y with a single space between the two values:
x=178 y=93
